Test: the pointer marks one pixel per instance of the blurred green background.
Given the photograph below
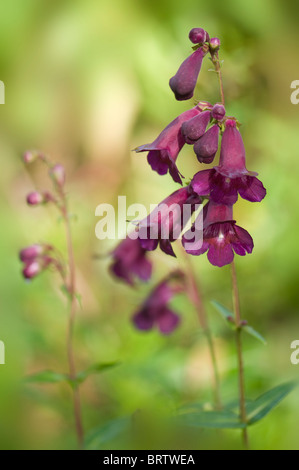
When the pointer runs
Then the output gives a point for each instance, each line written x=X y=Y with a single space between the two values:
x=86 y=82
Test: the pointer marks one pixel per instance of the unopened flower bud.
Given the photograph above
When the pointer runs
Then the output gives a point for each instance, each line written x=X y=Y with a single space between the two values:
x=35 y=198
x=218 y=112
x=30 y=156
x=198 y=35
x=31 y=269
x=214 y=44
x=33 y=251
x=57 y=172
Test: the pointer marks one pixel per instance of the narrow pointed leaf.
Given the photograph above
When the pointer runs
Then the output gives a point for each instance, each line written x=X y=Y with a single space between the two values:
x=223 y=311
x=260 y=407
x=95 y=369
x=98 y=437
x=46 y=376
x=251 y=331
x=212 y=419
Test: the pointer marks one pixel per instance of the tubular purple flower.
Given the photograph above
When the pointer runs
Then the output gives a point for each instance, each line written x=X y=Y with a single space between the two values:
x=206 y=147
x=166 y=222
x=164 y=151
x=184 y=81
x=155 y=311
x=221 y=236
x=193 y=129
x=130 y=261
x=224 y=182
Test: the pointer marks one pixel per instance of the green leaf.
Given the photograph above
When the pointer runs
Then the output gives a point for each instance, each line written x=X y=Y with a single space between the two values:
x=212 y=419
x=254 y=333
x=94 y=369
x=224 y=312
x=260 y=407
x=107 y=432
x=46 y=376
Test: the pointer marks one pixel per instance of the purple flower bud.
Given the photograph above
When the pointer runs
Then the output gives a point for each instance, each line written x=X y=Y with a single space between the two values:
x=214 y=44
x=198 y=35
x=30 y=156
x=206 y=147
x=184 y=81
x=195 y=127
x=31 y=269
x=164 y=151
x=218 y=112
x=221 y=236
x=57 y=172
x=35 y=198
x=130 y=261
x=155 y=310
x=33 y=251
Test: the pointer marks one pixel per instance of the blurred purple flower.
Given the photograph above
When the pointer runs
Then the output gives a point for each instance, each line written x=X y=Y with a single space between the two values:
x=221 y=236
x=164 y=151
x=206 y=147
x=155 y=311
x=130 y=261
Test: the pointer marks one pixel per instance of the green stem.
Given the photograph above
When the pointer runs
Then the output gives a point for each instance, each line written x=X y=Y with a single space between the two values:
x=216 y=62
x=196 y=299
x=238 y=324
x=70 y=352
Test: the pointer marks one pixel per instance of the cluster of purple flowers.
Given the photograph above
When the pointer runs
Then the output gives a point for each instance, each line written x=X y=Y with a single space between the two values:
x=202 y=126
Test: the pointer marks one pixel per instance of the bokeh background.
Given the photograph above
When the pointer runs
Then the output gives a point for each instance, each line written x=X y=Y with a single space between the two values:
x=86 y=82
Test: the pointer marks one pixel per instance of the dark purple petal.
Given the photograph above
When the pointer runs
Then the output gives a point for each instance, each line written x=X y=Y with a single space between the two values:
x=244 y=241
x=159 y=161
x=220 y=254
x=232 y=154
x=120 y=271
x=143 y=321
x=193 y=129
x=251 y=189
x=224 y=190
x=142 y=268
x=166 y=247
x=206 y=147
x=167 y=321
x=184 y=81
x=201 y=182
x=149 y=244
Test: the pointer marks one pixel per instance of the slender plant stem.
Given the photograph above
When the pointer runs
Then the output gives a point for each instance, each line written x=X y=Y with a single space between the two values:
x=70 y=352
x=196 y=298
x=238 y=323
x=216 y=62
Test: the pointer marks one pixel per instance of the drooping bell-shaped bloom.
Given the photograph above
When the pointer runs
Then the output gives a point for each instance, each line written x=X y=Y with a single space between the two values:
x=155 y=311
x=221 y=236
x=130 y=261
x=166 y=222
x=164 y=151
x=206 y=147
x=224 y=182
x=184 y=81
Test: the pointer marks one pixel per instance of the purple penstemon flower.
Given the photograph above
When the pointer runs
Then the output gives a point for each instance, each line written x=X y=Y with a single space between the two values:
x=166 y=222
x=36 y=258
x=155 y=311
x=184 y=81
x=221 y=236
x=223 y=183
x=164 y=150
x=130 y=261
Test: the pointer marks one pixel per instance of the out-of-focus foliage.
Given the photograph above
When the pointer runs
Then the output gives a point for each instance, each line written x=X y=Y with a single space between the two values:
x=86 y=82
